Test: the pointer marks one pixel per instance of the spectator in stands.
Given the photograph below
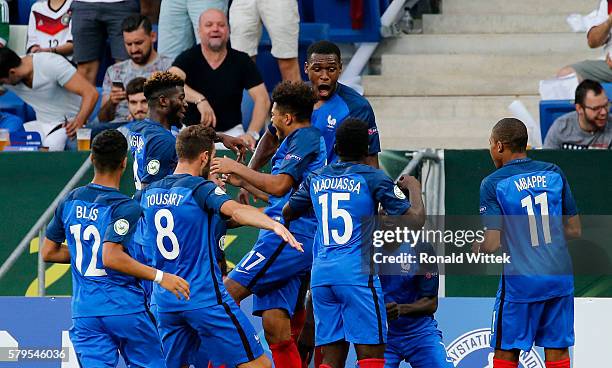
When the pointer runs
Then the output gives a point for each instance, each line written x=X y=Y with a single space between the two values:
x=215 y=77
x=4 y=23
x=138 y=37
x=178 y=23
x=246 y=17
x=590 y=126
x=61 y=98
x=49 y=28
x=598 y=34
x=136 y=100
x=94 y=21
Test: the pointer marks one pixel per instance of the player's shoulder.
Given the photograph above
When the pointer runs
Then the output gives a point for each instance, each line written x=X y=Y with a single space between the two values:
x=352 y=98
x=309 y=133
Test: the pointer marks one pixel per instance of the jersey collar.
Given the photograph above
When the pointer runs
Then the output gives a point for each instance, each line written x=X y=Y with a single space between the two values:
x=517 y=161
x=102 y=187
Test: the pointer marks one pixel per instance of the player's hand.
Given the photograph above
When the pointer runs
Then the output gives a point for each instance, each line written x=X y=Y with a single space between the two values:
x=236 y=144
x=233 y=180
x=36 y=48
x=217 y=180
x=249 y=140
x=207 y=115
x=393 y=311
x=408 y=183
x=176 y=285
x=117 y=95
x=282 y=231
x=223 y=165
x=244 y=196
x=72 y=126
x=476 y=247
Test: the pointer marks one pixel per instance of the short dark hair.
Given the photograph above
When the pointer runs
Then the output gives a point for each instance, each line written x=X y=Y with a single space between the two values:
x=159 y=83
x=296 y=98
x=8 y=60
x=136 y=21
x=108 y=150
x=323 y=47
x=352 y=139
x=135 y=86
x=512 y=133
x=194 y=140
x=584 y=87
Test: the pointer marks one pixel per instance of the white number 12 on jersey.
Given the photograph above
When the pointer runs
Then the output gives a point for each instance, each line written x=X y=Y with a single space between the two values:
x=542 y=200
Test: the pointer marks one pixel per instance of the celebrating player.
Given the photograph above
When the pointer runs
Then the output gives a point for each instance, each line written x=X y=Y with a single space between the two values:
x=349 y=304
x=273 y=271
x=107 y=303
x=535 y=301
x=411 y=297
x=178 y=211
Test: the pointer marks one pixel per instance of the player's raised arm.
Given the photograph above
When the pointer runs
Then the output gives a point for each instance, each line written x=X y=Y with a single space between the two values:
x=54 y=252
x=115 y=257
x=251 y=216
x=276 y=185
x=411 y=188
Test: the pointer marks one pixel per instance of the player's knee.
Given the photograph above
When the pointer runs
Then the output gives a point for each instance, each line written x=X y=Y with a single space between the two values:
x=235 y=290
x=554 y=355
x=370 y=351
x=277 y=326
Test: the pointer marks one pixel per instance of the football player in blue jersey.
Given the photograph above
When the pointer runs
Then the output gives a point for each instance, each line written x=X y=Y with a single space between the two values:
x=528 y=210
x=272 y=271
x=411 y=297
x=108 y=305
x=179 y=212
x=348 y=301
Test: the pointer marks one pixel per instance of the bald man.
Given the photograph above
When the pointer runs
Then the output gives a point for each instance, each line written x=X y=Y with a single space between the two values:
x=215 y=77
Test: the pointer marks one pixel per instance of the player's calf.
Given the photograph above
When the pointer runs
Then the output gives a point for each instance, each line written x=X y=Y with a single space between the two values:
x=557 y=358
x=235 y=290
x=370 y=356
x=506 y=358
x=277 y=328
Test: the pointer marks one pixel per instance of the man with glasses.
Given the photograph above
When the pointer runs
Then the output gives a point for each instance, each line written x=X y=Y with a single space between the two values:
x=589 y=127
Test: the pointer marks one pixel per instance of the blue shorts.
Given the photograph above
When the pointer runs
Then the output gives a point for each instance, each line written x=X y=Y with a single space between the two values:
x=99 y=340
x=356 y=314
x=223 y=329
x=424 y=350
x=547 y=323
x=273 y=271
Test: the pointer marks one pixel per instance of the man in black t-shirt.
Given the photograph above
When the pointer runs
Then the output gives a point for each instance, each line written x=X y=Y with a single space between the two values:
x=215 y=77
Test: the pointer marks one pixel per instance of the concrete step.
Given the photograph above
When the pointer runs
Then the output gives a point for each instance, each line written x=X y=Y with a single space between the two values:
x=447 y=108
x=489 y=44
x=493 y=23
x=542 y=7
x=478 y=65
x=449 y=85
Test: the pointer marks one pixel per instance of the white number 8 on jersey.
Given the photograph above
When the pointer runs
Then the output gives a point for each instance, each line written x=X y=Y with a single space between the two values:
x=167 y=231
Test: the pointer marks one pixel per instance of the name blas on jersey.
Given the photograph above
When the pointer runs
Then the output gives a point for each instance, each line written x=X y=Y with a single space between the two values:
x=343 y=184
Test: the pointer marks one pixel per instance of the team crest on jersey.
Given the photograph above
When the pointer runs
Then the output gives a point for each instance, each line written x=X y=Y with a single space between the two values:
x=398 y=192
x=122 y=226
x=472 y=350
x=153 y=167
x=331 y=122
x=406 y=267
x=66 y=18
x=483 y=209
x=222 y=243
x=219 y=191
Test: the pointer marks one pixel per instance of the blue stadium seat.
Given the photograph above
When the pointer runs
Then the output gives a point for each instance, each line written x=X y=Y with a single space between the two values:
x=247 y=109
x=25 y=139
x=23 y=10
x=551 y=110
x=94 y=114
x=11 y=103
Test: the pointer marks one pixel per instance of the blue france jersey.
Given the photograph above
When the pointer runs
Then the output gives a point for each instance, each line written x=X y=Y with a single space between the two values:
x=526 y=200
x=87 y=217
x=344 y=103
x=153 y=148
x=405 y=283
x=342 y=195
x=298 y=155
x=179 y=211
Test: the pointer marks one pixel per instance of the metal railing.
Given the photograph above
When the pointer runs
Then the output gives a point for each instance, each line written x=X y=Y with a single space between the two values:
x=39 y=228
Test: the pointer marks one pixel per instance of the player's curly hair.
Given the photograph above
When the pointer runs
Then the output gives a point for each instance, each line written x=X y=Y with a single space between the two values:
x=296 y=98
x=159 y=83
x=194 y=140
x=352 y=139
x=512 y=133
x=108 y=150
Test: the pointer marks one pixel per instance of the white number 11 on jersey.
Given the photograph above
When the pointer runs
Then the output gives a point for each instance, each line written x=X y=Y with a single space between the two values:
x=542 y=200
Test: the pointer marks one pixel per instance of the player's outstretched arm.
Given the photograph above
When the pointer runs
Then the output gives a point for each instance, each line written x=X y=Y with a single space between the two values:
x=251 y=216
x=572 y=227
x=422 y=307
x=411 y=187
x=490 y=244
x=277 y=185
x=114 y=257
x=54 y=252
x=237 y=181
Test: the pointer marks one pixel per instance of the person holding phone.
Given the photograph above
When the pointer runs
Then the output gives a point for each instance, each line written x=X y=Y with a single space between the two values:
x=138 y=37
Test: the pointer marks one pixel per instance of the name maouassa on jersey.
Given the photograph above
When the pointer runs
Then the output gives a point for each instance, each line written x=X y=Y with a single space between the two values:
x=179 y=213
x=342 y=195
x=153 y=148
x=525 y=200
x=86 y=218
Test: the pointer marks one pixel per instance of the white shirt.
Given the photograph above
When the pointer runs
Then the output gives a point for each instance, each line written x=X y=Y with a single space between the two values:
x=99 y=1
x=49 y=28
x=48 y=97
x=601 y=17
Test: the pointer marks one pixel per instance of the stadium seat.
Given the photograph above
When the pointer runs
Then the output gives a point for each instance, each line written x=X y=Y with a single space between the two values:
x=247 y=109
x=551 y=110
x=337 y=13
x=25 y=139
x=23 y=10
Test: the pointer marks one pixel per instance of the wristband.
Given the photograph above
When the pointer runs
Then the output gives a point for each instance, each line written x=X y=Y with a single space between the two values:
x=159 y=275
